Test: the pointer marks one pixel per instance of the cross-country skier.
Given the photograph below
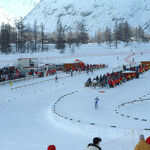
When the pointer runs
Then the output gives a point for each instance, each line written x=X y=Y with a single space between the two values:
x=96 y=102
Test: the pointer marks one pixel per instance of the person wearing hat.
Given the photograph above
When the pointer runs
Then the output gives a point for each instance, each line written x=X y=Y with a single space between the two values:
x=148 y=140
x=95 y=144
x=51 y=147
x=142 y=145
x=96 y=102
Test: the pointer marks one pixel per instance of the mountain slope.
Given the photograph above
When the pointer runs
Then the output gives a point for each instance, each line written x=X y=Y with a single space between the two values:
x=5 y=17
x=95 y=13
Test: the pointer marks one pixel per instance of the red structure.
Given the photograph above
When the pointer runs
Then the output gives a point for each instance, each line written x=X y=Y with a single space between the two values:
x=73 y=65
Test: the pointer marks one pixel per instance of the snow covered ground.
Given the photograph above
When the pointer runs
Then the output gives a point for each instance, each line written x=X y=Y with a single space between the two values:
x=28 y=119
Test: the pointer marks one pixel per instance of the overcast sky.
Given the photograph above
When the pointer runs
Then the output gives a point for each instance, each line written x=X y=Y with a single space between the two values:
x=18 y=7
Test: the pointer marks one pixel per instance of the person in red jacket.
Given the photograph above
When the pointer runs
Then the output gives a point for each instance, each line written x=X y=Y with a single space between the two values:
x=110 y=83
x=148 y=140
x=117 y=81
x=113 y=83
x=51 y=147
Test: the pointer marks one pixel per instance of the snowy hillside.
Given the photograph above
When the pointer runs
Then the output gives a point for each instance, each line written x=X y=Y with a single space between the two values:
x=5 y=17
x=96 y=13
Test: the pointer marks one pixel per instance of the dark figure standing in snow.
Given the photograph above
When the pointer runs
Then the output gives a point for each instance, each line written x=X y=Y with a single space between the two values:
x=95 y=144
x=71 y=73
x=56 y=79
x=96 y=102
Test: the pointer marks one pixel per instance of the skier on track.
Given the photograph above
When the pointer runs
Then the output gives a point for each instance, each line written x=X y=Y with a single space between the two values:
x=96 y=102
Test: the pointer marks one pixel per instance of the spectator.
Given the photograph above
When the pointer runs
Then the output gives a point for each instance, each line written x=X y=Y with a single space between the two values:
x=148 y=140
x=56 y=78
x=10 y=73
x=51 y=147
x=142 y=145
x=95 y=144
x=117 y=78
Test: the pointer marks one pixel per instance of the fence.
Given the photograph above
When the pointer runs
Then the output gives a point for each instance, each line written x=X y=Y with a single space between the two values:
x=131 y=102
x=36 y=83
x=19 y=79
x=128 y=137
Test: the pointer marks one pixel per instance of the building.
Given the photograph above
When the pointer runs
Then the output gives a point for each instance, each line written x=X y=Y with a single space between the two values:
x=28 y=64
x=72 y=65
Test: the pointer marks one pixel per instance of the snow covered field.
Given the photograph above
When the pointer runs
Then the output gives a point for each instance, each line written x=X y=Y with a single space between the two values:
x=27 y=119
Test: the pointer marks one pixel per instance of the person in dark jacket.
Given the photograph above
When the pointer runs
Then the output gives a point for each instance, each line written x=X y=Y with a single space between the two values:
x=95 y=144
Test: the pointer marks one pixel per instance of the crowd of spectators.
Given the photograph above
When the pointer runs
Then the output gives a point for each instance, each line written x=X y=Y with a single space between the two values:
x=85 y=67
x=10 y=73
x=75 y=68
x=117 y=78
x=95 y=144
x=13 y=72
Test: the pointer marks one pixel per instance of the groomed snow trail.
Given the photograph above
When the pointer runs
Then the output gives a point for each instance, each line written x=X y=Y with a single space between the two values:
x=28 y=122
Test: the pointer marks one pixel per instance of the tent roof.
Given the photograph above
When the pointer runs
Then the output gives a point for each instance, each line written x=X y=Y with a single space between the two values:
x=128 y=71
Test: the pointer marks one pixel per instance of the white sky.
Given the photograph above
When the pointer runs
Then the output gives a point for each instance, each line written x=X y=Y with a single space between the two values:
x=18 y=8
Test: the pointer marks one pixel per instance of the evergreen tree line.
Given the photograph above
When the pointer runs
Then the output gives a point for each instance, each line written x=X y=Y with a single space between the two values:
x=24 y=39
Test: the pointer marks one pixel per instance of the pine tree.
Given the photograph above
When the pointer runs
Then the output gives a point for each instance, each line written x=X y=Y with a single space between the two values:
x=120 y=32
x=70 y=38
x=116 y=34
x=82 y=35
x=98 y=37
x=35 y=36
x=126 y=32
x=60 y=35
x=141 y=35
x=5 y=38
x=20 y=36
x=29 y=38
x=107 y=35
x=42 y=36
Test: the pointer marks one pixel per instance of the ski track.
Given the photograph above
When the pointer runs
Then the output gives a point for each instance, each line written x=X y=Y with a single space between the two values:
x=15 y=102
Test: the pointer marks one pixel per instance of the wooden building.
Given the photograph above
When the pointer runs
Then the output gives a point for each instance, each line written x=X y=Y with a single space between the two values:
x=73 y=65
x=145 y=62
